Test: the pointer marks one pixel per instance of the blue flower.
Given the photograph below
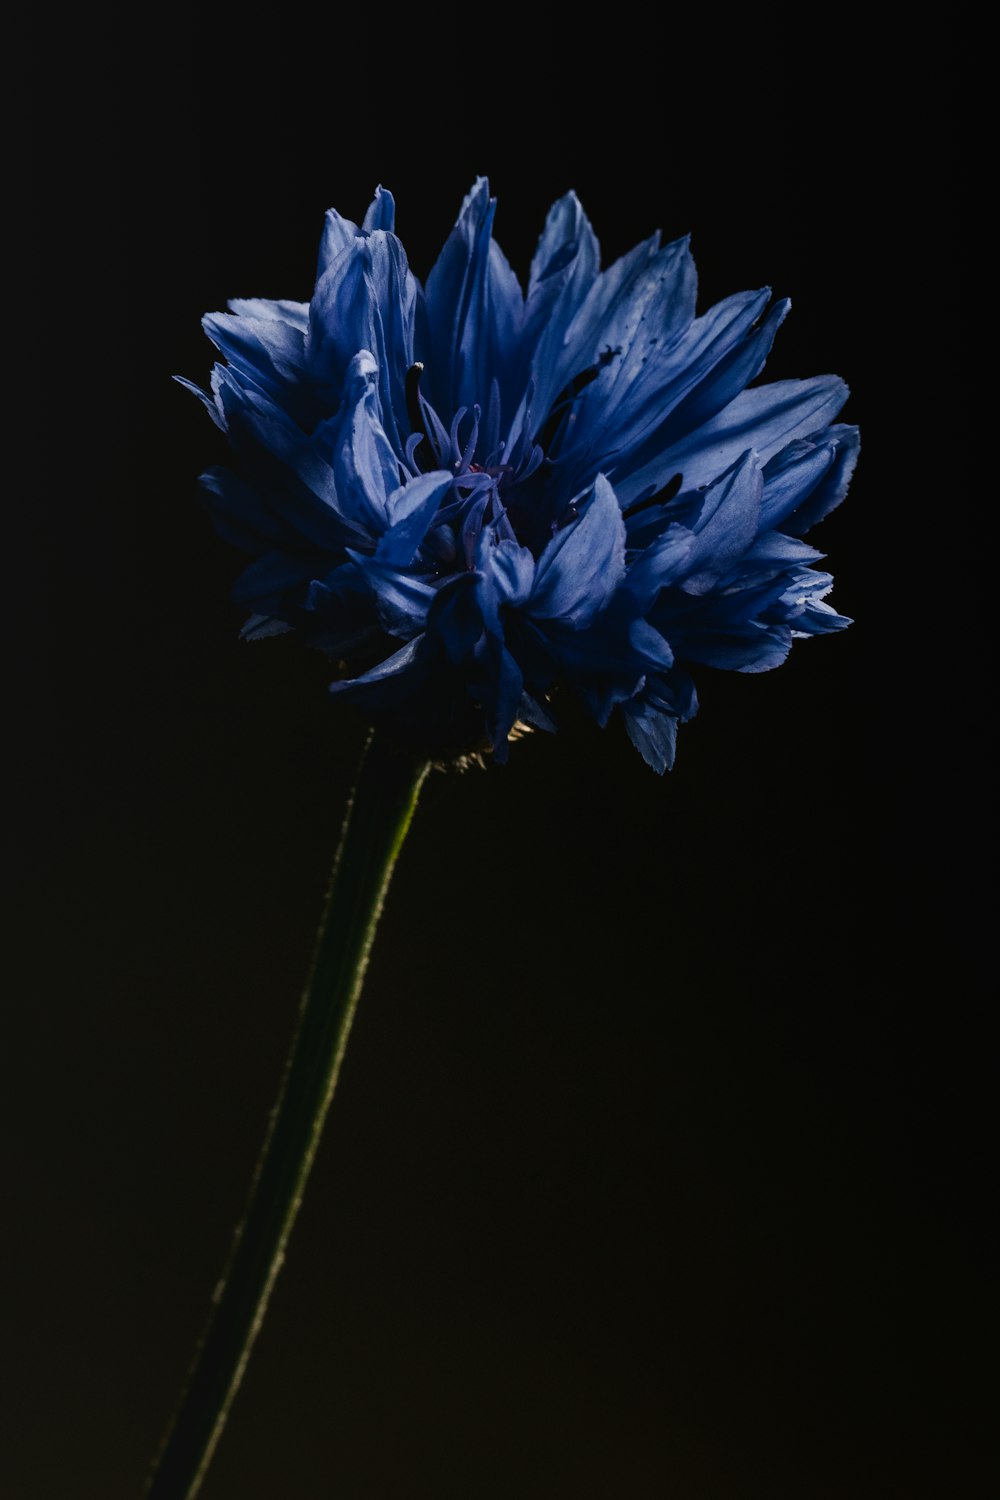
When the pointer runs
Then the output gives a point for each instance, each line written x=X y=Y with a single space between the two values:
x=473 y=498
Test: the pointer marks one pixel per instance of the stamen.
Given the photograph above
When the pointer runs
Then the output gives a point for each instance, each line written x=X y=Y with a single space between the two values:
x=456 y=422
x=470 y=447
x=471 y=527
x=413 y=410
x=412 y=443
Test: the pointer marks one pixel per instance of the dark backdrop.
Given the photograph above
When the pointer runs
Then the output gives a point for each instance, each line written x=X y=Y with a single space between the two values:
x=657 y=1167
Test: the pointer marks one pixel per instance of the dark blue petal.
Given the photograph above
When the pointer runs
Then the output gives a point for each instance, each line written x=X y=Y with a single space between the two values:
x=456 y=617
x=346 y=466
x=649 y=646
x=273 y=583
x=401 y=599
x=742 y=646
x=506 y=701
x=238 y=512
x=607 y=660
x=341 y=584
x=652 y=732
x=584 y=563
x=371 y=686
x=339 y=613
x=661 y=564
x=262 y=627
x=532 y=712
x=281 y=452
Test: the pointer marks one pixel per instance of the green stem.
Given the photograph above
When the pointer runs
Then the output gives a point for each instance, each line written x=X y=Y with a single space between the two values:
x=377 y=820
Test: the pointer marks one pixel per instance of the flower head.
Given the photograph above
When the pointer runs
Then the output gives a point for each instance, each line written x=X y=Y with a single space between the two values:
x=472 y=497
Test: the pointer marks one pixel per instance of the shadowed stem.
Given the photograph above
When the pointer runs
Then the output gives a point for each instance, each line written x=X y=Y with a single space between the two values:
x=377 y=820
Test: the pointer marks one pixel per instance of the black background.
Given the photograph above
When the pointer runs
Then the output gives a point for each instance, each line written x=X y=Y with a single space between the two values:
x=658 y=1164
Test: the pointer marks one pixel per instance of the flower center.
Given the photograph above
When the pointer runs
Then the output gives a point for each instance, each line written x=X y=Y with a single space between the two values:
x=499 y=482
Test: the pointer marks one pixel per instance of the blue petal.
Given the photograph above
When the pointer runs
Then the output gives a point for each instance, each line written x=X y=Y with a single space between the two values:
x=504 y=573
x=789 y=480
x=269 y=350
x=681 y=368
x=586 y=335
x=564 y=268
x=366 y=469
x=282 y=311
x=381 y=212
x=819 y=618
x=474 y=310
x=386 y=674
x=725 y=380
x=210 y=402
x=639 y=339
x=411 y=510
x=509 y=567
x=805 y=587
x=338 y=235
x=342 y=314
x=767 y=419
x=726 y=526
x=614 y=376
x=393 y=292
x=364 y=298
x=282 y=454
x=772 y=547
x=584 y=563
x=833 y=487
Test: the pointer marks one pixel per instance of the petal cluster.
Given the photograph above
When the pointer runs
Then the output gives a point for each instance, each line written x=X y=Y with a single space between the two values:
x=473 y=497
